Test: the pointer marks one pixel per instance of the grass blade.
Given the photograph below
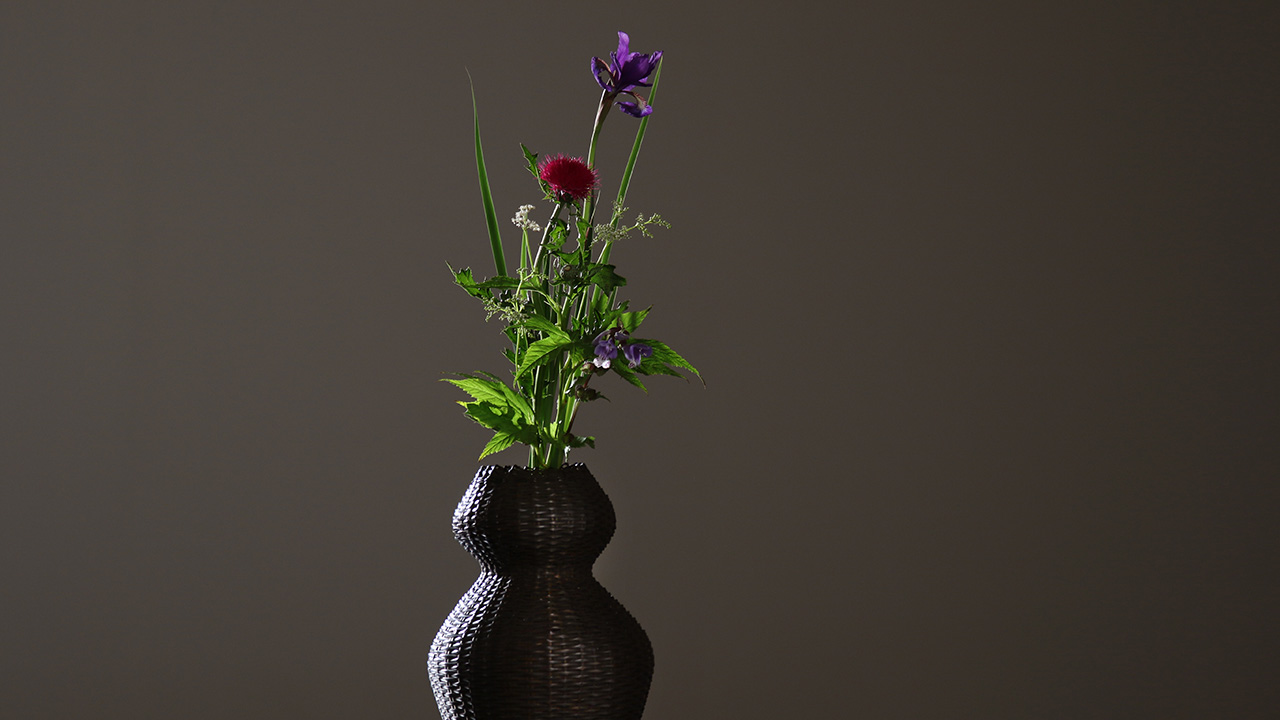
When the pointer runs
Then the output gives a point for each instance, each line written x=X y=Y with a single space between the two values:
x=490 y=217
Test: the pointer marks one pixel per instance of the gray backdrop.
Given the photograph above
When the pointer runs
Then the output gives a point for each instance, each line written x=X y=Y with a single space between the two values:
x=985 y=295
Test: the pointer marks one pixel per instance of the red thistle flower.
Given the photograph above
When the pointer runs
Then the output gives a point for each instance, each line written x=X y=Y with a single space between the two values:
x=569 y=177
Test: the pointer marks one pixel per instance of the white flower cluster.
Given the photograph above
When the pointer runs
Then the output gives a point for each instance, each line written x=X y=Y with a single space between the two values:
x=522 y=220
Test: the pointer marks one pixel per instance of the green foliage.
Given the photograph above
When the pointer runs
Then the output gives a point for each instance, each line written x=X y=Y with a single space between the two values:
x=464 y=280
x=576 y=441
x=664 y=356
x=603 y=276
x=531 y=163
x=628 y=374
x=557 y=234
x=560 y=300
x=629 y=321
x=540 y=351
x=544 y=325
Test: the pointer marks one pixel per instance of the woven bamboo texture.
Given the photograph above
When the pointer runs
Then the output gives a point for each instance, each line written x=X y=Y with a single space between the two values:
x=537 y=637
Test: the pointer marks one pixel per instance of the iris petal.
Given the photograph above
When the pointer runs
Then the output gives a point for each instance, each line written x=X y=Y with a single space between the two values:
x=635 y=110
x=628 y=71
x=599 y=68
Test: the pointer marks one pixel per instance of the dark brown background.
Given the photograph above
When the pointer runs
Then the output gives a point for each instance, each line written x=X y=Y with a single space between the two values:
x=985 y=294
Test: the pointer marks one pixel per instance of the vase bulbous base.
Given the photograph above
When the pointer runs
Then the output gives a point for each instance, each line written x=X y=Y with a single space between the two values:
x=537 y=637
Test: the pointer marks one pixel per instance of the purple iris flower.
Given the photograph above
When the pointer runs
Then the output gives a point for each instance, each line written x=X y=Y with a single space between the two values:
x=627 y=71
x=635 y=353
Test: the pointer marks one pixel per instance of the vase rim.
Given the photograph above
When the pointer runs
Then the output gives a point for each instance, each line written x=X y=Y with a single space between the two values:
x=526 y=468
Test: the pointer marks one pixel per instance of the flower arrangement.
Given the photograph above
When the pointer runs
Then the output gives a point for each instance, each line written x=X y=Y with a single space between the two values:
x=563 y=317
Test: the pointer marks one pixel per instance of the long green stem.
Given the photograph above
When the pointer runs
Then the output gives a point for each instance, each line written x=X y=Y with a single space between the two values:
x=543 y=402
x=606 y=102
x=623 y=186
x=553 y=382
x=635 y=150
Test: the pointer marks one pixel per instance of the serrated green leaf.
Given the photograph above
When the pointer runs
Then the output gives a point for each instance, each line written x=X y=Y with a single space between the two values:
x=540 y=350
x=649 y=366
x=629 y=321
x=490 y=415
x=502 y=418
x=531 y=161
x=580 y=351
x=499 y=442
x=541 y=324
x=568 y=258
x=480 y=389
x=628 y=374
x=518 y=402
x=557 y=234
x=603 y=276
x=500 y=282
x=495 y=392
x=663 y=353
x=600 y=304
x=465 y=280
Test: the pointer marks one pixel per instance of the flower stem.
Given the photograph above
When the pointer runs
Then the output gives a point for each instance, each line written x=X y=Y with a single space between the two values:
x=606 y=102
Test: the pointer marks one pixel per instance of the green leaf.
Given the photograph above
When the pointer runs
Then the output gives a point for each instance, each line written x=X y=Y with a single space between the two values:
x=568 y=258
x=480 y=389
x=577 y=441
x=663 y=353
x=494 y=392
x=531 y=160
x=490 y=217
x=537 y=322
x=600 y=304
x=627 y=374
x=540 y=350
x=501 y=418
x=557 y=234
x=649 y=366
x=463 y=279
x=491 y=416
x=500 y=441
x=603 y=276
x=500 y=282
x=581 y=351
x=631 y=320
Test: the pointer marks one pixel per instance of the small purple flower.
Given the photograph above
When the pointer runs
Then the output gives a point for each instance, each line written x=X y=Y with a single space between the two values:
x=635 y=353
x=608 y=343
x=606 y=347
x=628 y=71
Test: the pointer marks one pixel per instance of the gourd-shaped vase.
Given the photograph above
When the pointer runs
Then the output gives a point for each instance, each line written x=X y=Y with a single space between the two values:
x=537 y=637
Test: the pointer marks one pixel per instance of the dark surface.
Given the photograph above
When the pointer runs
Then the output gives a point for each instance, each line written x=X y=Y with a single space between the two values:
x=985 y=294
